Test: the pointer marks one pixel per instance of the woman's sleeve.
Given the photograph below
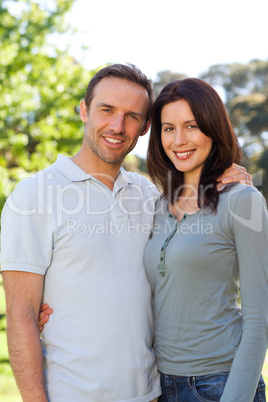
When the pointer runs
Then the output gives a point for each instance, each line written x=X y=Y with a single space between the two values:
x=249 y=222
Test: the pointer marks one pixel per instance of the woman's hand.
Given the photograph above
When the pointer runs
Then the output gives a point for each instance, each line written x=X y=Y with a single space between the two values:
x=43 y=316
x=236 y=173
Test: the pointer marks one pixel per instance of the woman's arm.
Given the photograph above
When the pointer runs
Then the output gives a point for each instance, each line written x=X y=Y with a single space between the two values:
x=250 y=228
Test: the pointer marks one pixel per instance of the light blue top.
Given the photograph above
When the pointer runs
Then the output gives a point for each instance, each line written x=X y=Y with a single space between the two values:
x=199 y=326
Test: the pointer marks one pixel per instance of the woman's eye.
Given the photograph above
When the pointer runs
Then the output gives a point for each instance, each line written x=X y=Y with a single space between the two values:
x=192 y=126
x=169 y=129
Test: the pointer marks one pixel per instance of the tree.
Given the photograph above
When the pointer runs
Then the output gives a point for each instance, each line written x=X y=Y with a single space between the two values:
x=163 y=78
x=262 y=162
x=246 y=98
x=40 y=90
x=134 y=163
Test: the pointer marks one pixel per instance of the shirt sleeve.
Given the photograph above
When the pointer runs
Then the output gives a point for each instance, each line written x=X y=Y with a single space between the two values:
x=249 y=221
x=26 y=232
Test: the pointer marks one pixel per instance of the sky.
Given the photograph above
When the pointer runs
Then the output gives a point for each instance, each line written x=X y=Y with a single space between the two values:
x=180 y=36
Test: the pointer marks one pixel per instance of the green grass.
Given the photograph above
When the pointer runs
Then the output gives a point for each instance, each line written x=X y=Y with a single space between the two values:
x=8 y=389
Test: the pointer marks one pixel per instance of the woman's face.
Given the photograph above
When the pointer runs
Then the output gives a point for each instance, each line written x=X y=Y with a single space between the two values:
x=185 y=145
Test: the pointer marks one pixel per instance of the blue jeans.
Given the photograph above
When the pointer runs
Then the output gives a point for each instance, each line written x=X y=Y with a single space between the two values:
x=207 y=388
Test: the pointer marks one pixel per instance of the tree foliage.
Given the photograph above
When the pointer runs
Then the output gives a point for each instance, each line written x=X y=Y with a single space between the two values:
x=246 y=97
x=40 y=89
x=163 y=78
x=245 y=89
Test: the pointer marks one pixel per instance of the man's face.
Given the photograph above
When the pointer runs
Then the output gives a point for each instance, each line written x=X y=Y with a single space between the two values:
x=115 y=119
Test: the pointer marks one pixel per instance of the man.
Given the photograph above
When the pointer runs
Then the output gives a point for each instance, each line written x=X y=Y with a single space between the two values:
x=73 y=236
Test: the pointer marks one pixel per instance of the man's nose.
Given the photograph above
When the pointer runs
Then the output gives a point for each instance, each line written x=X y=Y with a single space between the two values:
x=118 y=124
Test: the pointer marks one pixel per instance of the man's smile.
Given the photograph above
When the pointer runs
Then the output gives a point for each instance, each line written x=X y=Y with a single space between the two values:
x=113 y=140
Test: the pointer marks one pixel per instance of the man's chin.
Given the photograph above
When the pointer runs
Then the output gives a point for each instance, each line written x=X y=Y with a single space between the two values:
x=114 y=159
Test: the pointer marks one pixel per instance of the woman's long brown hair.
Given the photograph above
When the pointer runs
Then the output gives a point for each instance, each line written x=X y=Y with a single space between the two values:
x=213 y=120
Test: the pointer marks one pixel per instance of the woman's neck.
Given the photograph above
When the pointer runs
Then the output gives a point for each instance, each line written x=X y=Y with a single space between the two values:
x=187 y=202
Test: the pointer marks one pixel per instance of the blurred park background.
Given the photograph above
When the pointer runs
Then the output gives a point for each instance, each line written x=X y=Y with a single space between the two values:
x=44 y=72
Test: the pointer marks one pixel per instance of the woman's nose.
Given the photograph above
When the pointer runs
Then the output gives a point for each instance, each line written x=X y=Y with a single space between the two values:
x=180 y=137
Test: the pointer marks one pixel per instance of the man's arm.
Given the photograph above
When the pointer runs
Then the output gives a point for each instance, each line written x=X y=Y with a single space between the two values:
x=236 y=173
x=23 y=298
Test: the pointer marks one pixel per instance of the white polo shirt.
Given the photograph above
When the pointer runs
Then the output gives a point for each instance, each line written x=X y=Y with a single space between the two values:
x=88 y=241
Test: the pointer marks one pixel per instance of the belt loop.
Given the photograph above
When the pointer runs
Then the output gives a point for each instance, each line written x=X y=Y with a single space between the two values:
x=191 y=382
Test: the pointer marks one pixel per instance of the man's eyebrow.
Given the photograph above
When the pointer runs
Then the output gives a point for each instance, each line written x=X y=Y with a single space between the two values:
x=101 y=104
x=137 y=114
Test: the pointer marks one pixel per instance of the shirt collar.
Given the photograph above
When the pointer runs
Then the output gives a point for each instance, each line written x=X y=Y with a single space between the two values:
x=70 y=169
x=122 y=180
x=74 y=173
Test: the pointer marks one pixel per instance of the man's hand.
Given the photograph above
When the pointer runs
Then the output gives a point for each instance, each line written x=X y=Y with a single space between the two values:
x=43 y=316
x=236 y=173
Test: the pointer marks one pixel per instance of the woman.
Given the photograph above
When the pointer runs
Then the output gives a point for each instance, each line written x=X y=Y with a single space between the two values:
x=204 y=240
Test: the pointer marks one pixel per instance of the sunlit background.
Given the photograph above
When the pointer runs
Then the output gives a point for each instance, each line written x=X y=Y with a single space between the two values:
x=180 y=36
x=49 y=50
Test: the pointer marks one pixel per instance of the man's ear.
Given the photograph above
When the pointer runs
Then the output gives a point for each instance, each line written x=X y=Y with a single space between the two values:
x=145 y=128
x=83 y=112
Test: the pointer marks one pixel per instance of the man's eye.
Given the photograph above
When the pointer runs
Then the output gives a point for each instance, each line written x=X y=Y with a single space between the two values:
x=132 y=116
x=106 y=110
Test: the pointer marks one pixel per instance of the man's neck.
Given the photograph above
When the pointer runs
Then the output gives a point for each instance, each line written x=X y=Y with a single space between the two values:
x=104 y=172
